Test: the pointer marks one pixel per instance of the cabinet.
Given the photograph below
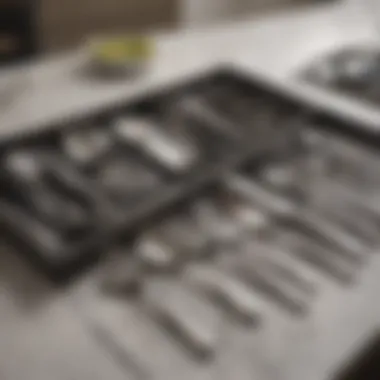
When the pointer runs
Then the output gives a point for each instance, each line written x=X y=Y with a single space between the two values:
x=65 y=24
x=17 y=31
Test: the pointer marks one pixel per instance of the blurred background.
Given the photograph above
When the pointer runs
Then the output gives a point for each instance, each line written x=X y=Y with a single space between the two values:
x=30 y=27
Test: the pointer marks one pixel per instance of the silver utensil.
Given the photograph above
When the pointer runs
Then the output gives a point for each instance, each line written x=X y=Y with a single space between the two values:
x=40 y=236
x=125 y=179
x=316 y=255
x=296 y=243
x=304 y=220
x=200 y=109
x=263 y=279
x=155 y=254
x=221 y=229
x=185 y=236
x=170 y=149
x=278 y=258
x=229 y=292
x=87 y=145
x=27 y=173
x=185 y=316
x=348 y=210
x=331 y=235
x=123 y=275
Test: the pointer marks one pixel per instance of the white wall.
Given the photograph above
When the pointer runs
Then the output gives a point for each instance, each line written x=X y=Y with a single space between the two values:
x=201 y=12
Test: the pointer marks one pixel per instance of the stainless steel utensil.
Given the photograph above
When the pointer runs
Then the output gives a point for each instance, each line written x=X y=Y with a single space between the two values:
x=318 y=256
x=185 y=316
x=26 y=173
x=169 y=149
x=259 y=275
x=226 y=290
x=125 y=180
x=185 y=236
x=87 y=145
x=304 y=220
x=155 y=253
x=123 y=275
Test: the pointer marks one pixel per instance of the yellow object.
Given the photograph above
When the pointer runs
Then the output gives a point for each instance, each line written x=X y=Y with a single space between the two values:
x=123 y=49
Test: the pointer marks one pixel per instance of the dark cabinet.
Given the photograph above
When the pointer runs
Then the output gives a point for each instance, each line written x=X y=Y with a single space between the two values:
x=64 y=24
x=17 y=31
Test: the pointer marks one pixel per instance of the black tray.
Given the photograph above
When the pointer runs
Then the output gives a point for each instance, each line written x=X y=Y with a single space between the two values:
x=234 y=119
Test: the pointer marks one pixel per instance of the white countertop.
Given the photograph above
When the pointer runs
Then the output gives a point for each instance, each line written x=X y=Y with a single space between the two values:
x=41 y=335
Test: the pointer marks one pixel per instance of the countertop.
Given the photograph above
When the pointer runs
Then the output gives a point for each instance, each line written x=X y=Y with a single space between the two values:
x=42 y=335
